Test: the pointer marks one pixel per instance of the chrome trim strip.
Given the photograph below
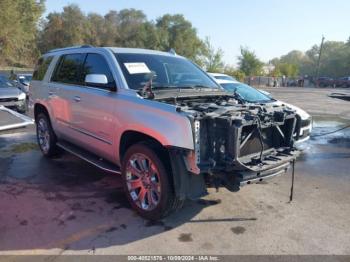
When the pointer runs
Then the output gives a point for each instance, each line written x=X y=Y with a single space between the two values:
x=90 y=135
x=258 y=179
x=83 y=131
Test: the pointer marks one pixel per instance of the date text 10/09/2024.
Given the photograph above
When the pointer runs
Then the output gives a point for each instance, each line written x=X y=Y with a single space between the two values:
x=173 y=258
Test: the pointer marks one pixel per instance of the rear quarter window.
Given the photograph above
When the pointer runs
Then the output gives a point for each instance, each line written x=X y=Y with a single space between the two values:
x=41 y=68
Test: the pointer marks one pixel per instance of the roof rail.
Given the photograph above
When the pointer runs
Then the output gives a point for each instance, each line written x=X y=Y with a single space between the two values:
x=69 y=48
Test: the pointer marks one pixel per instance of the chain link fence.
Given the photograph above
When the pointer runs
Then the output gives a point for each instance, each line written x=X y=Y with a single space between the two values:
x=266 y=81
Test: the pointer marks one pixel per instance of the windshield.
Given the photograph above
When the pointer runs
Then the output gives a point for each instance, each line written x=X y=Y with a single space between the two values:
x=5 y=83
x=247 y=93
x=24 y=79
x=169 y=71
x=225 y=78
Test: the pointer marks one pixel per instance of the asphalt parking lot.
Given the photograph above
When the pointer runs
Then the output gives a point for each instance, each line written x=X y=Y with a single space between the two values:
x=66 y=206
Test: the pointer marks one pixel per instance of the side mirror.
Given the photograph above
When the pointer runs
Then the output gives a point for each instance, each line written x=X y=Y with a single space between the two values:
x=98 y=80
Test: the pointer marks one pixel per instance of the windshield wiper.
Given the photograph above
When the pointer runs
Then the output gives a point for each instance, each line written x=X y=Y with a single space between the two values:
x=146 y=91
x=238 y=96
x=164 y=87
x=198 y=86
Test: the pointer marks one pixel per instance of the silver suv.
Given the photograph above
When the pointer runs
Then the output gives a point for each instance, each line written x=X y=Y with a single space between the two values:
x=159 y=121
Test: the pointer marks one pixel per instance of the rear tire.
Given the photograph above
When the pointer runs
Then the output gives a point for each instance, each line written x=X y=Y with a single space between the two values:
x=147 y=182
x=45 y=136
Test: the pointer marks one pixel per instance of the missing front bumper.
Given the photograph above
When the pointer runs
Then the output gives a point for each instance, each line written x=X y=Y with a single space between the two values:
x=273 y=165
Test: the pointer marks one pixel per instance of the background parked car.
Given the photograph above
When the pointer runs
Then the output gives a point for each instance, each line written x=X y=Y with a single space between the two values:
x=218 y=76
x=23 y=81
x=292 y=82
x=11 y=96
x=325 y=82
x=249 y=94
x=343 y=82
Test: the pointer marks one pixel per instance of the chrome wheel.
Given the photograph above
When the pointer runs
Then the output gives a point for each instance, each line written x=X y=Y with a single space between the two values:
x=143 y=181
x=43 y=135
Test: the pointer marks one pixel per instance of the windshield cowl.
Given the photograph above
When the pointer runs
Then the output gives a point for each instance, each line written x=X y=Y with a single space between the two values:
x=188 y=94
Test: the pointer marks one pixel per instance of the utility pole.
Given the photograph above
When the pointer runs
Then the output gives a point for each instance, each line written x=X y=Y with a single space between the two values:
x=318 y=61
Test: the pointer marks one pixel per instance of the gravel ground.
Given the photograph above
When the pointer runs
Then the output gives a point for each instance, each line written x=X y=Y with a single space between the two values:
x=315 y=100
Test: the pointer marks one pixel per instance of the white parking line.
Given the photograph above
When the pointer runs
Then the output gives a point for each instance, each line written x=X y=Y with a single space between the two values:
x=25 y=120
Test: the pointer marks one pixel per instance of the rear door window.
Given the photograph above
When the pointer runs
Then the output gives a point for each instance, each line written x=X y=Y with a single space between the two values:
x=96 y=64
x=41 y=68
x=68 y=69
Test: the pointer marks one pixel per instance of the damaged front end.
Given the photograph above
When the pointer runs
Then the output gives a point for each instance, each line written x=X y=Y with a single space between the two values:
x=239 y=144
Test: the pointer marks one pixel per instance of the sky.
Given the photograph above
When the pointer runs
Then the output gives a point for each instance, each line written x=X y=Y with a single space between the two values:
x=271 y=28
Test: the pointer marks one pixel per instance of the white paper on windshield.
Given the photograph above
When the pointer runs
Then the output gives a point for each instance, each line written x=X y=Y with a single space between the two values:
x=137 y=68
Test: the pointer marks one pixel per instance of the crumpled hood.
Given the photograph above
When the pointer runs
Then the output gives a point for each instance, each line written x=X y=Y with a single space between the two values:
x=9 y=92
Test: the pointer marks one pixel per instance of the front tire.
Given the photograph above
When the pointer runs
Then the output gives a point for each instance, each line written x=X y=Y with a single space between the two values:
x=45 y=136
x=147 y=182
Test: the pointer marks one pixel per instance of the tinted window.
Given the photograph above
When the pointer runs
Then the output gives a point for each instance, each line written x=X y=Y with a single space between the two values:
x=24 y=79
x=5 y=82
x=68 y=69
x=96 y=64
x=41 y=68
x=225 y=78
x=170 y=71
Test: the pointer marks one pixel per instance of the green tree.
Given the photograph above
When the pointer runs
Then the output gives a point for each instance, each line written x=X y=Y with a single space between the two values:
x=286 y=69
x=178 y=33
x=51 y=35
x=293 y=57
x=110 y=33
x=19 y=27
x=68 y=28
x=95 y=29
x=127 y=28
x=75 y=26
x=131 y=26
x=334 y=59
x=276 y=72
x=334 y=62
x=148 y=36
x=249 y=63
x=212 y=58
x=236 y=73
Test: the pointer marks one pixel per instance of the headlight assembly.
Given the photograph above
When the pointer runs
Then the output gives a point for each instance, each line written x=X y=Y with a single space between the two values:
x=22 y=96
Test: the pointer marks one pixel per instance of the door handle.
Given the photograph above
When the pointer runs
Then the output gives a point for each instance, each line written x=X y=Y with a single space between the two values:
x=51 y=94
x=77 y=98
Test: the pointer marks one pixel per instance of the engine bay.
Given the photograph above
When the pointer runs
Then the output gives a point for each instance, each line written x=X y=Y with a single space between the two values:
x=249 y=140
